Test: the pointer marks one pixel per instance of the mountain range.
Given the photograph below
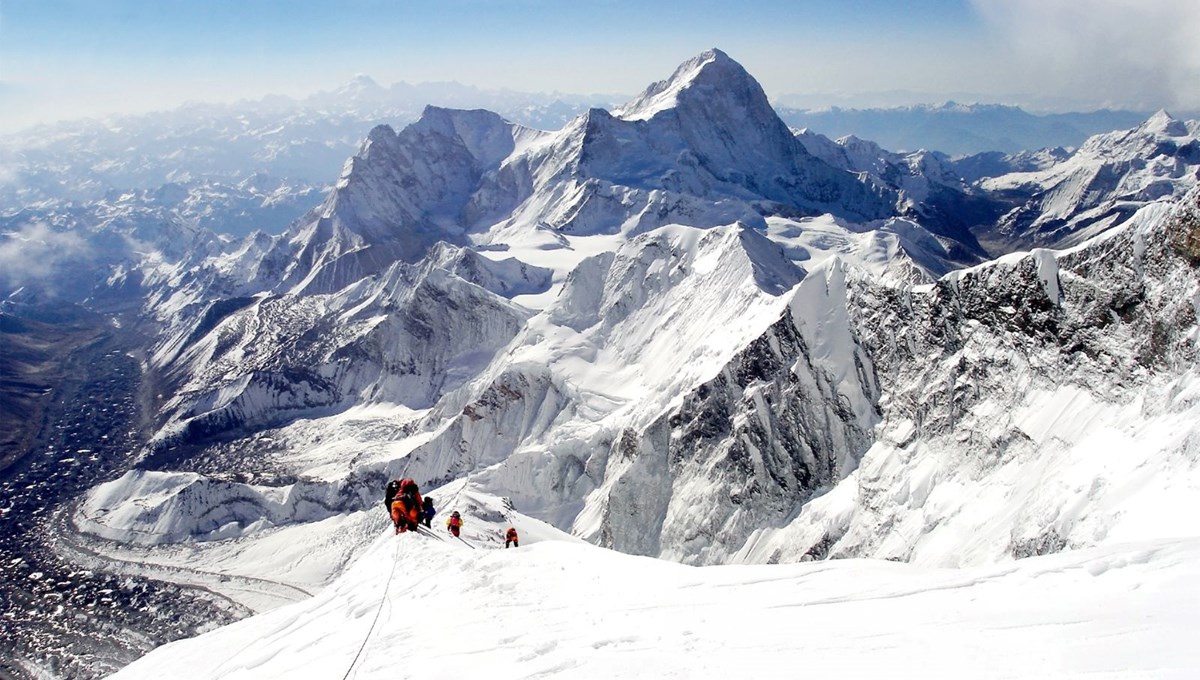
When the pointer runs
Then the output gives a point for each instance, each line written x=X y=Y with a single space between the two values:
x=677 y=329
x=961 y=129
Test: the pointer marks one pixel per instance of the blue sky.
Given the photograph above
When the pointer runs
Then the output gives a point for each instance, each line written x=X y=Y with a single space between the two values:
x=65 y=58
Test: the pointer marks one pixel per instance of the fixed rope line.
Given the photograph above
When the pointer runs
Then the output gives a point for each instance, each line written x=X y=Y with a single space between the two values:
x=466 y=481
x=387 y=586
x=395 y=558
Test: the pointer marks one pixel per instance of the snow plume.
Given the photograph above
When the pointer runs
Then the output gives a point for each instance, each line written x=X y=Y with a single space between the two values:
x=1108 y=52
x=36 y=252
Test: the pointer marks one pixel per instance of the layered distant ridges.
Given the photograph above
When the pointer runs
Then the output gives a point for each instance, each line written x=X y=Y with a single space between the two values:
x=1103 y=183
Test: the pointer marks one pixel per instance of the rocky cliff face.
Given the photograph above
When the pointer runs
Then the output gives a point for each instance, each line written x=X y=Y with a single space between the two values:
x=1027 y=405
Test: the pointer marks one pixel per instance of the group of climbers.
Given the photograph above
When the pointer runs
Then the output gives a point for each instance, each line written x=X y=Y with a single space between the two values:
x=403 y=500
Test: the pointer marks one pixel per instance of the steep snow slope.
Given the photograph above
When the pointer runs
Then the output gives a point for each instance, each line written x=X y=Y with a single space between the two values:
x=554 y=609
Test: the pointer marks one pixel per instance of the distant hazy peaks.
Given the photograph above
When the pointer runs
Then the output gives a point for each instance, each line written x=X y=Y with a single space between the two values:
x=710 y=69
x=362 y=81
x=362 y=87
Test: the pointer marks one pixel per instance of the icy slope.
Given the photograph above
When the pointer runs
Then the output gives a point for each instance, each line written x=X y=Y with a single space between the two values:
x=417 y=605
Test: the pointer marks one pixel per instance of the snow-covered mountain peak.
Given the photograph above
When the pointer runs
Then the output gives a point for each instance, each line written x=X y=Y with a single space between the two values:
x=400 y=194
x=697 y=79
x=487 y=136
x=361 y=89
x=1104 y=182
x=380 y=134
x=1163 y=123
x=1140 y=142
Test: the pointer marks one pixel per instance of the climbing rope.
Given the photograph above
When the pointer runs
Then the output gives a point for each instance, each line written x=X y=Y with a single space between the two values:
x=460 y=490
x=395 y=559
x=391 y=575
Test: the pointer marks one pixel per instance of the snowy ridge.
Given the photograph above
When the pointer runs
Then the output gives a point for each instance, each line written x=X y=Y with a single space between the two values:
x=928 y=187
x=1104 y=182
x=278 y=358
x=517 y=612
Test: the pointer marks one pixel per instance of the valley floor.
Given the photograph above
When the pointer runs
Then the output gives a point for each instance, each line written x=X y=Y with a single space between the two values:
x=424 y=606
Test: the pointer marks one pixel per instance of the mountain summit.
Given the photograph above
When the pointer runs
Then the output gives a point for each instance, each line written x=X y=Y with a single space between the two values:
x=710 y=78
x=726 y=124
x=703 y=148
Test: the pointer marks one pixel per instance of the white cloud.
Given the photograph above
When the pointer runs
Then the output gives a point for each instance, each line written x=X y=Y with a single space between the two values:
x=1129 y=53
x=36 y=253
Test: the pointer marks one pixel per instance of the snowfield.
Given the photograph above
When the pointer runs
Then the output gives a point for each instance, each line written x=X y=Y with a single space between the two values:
x=418 y=606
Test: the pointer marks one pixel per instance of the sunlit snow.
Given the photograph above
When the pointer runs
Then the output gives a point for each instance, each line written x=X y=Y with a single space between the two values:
x=431 y=607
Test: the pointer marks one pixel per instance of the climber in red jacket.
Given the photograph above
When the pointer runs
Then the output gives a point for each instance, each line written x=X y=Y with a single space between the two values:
x=406 y=507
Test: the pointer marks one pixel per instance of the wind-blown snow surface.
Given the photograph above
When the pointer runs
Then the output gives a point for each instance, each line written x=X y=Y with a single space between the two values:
x=423 y=606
